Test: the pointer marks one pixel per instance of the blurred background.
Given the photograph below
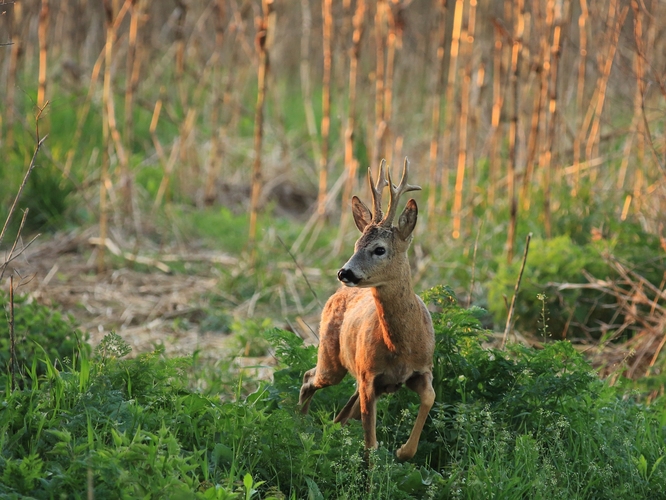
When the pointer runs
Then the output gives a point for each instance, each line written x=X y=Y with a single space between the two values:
x=216 y=145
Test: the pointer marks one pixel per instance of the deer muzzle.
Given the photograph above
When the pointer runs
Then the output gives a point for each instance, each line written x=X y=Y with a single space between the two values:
x=348 y=277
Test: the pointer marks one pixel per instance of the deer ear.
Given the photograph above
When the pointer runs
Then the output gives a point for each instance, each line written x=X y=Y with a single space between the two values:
x=407 y=220
x=361 y=213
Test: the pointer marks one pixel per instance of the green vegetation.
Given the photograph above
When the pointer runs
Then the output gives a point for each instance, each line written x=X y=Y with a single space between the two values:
x=39 y=331
x=550 y=122
x=576 y=312
x=506 y=424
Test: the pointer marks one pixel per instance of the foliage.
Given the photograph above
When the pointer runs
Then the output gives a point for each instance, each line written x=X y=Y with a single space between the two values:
x=39 y=331
x=506 y=424
x=572 y=312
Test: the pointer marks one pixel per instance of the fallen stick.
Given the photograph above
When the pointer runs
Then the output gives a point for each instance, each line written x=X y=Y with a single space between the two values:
x=509 y=319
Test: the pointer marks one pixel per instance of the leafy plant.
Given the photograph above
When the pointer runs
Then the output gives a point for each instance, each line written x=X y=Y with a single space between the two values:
x=36 y=325
x=511 y=424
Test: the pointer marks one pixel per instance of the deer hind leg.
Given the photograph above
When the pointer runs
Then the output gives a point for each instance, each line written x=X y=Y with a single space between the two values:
x=351 y=410
x=422 y=385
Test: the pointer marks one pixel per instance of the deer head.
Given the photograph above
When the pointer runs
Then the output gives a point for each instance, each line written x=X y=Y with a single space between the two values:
x=382 y=247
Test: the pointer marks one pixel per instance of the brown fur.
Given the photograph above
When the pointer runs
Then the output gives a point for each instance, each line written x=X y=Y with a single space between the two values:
x=379 y=331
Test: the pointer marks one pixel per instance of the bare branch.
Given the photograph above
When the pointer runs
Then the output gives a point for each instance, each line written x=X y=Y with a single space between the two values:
x=25 y=181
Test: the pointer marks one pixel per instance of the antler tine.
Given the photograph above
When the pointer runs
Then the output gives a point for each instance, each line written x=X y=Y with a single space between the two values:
x=377 y=191
x=397 y=192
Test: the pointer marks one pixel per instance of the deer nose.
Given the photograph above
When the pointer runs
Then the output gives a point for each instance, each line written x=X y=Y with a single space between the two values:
x=348 y=277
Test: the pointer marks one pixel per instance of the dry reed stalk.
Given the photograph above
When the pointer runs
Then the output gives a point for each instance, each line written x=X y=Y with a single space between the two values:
x=647 y=55
x=467 y=54
x=636 y=127
x=580 y=92
x=179 y=35
x=14 y=53
x=351 y=164
x=306 y=85
x=209 y=194
x=498 y=100
x=393 y=41
x=327 y=36
x=555 y=17
x=109 y=130
x=133 y=67
x=380 y=41
x=435 y=121
x=186 y=129
x=265 y=26
x=43 y=33
x=591 y=147
x=643 y=60
x=123 y=173
x=131 y=82
x=639 y=180
x=188 y=154
x=519 y=26
x=639 y=95
x=476 y=111
x=236 y=34
x=626 y=152
x=246 y=52
x=448 y=100
x=541 y=71
x=82 y=113
x=314 y=218
x=104 y=174
x=167 y=165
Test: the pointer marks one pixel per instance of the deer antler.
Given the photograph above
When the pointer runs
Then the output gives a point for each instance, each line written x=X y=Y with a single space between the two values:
x=396 y=193
x=377 y=189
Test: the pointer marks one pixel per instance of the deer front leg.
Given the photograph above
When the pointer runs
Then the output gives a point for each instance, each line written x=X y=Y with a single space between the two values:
x=323 y=375
x=422 y=385
x=368 y=400
x=307 y=390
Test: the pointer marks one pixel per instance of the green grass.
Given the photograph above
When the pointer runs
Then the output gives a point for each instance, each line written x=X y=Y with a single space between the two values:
x=514 y=424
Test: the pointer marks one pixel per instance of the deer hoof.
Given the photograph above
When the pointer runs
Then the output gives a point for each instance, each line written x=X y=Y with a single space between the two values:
x=405 y=453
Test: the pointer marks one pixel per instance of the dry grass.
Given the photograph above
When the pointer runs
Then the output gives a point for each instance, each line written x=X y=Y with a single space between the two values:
x=140 y=304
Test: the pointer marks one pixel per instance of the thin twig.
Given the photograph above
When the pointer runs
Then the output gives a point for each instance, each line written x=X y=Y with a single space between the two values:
x=20 y=191
x=300 y=269
x=509 y=319
x=263 y=41
x=11 y=256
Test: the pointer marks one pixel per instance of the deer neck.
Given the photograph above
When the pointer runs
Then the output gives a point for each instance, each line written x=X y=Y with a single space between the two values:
x=398 y=310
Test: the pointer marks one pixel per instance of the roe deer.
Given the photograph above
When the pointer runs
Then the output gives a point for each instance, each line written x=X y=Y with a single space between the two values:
x=377 y=328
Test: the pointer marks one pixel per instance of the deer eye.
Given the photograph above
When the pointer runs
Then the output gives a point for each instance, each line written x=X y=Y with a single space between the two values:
x=379 y=251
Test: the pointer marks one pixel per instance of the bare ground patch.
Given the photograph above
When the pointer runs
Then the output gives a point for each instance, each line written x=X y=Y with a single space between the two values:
x=147 y=306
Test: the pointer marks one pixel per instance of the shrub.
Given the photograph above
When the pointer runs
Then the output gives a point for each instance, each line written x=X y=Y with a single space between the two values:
x=578 y=311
